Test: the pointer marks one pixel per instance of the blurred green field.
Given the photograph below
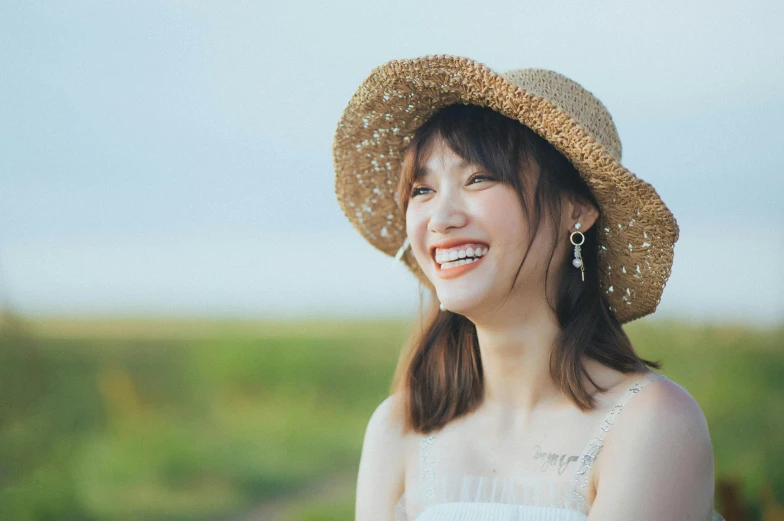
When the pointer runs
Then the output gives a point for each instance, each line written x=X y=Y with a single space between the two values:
x=157 y=419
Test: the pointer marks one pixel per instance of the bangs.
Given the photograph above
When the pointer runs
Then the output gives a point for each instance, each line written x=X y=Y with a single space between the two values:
x=478 y=135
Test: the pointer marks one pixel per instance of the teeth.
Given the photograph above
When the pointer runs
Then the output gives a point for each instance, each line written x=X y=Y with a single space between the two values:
x=442 y=257
x=457 y=263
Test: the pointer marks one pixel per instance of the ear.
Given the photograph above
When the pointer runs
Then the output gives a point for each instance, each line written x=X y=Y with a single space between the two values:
x=579 y=210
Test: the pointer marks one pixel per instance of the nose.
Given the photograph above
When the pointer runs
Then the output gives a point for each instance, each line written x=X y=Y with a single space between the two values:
x=448 y=213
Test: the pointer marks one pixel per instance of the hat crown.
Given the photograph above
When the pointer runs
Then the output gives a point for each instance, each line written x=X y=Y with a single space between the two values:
x=574 y=100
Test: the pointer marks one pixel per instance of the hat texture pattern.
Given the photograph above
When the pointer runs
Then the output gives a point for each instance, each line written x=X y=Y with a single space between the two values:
x=637 y=231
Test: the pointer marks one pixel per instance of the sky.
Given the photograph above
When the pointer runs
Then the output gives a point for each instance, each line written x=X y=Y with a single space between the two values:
x=173 y=157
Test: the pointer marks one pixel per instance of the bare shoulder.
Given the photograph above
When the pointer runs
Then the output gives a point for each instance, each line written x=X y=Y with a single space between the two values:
x=386 y=418
x=380 y=482
x=663 y=414
x=667 y=410
x=659 y=447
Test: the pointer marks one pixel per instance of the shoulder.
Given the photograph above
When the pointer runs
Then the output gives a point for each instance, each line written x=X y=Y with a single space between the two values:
x=380 y=482
x=384 y=436
x=659 y=447
x=385 y=423
x=661 y=415
x=667 y=412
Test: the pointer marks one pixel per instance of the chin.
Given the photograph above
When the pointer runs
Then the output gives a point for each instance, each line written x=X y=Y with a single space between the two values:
x=459 y=307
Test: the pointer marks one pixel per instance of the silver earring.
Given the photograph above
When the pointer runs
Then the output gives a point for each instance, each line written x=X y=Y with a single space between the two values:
x=441 y=306
x=578 y=258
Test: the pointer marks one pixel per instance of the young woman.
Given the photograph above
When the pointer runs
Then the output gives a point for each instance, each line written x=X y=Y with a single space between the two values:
x=506 y=197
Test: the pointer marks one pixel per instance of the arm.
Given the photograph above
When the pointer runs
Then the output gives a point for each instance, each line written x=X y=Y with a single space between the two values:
x=658 y=463
x=380 y=483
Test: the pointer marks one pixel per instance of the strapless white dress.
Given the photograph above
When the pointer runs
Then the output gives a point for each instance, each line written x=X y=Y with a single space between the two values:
x=488 y=498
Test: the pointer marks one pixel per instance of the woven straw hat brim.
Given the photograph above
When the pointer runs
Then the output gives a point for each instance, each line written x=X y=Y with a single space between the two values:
x=637 y=231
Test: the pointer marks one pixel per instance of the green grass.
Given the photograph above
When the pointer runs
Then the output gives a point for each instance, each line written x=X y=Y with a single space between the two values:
x=174 y=420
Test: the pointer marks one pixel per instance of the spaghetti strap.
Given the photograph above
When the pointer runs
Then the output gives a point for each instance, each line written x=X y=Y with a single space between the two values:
x=426 y=469
x=595 y=444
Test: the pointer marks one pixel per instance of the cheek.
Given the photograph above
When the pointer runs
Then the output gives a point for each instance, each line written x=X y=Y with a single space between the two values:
x=505 y=215
x=416 y=223
x=415 y=231
x=411 y=225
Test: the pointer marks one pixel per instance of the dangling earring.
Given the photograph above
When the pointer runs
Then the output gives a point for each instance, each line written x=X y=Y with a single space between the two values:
x=578 y=258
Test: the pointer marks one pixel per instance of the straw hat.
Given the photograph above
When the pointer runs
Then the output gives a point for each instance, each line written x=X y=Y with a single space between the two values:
x=637 y=231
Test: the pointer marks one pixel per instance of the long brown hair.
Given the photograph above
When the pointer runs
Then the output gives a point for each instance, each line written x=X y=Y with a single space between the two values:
x=439 y=375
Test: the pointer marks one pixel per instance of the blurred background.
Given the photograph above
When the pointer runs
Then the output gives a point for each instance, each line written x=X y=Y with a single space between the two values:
x=169 y=350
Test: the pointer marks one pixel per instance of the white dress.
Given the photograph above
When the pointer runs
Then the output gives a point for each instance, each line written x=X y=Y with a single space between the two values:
x=487 y=498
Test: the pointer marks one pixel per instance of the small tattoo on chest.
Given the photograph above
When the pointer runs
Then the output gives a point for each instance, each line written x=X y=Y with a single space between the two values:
x=551 y=459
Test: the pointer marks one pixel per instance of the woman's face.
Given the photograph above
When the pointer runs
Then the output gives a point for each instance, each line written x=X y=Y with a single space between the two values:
x=457 y=205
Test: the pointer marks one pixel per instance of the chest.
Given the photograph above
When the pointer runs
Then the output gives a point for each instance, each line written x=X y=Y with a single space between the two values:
x=545 y=449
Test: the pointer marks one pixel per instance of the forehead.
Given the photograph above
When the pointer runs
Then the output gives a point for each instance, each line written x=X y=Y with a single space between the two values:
x=438 y=156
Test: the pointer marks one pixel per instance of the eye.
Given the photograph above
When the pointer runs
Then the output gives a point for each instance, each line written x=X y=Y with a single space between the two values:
x=416 y=191
x=480 y=175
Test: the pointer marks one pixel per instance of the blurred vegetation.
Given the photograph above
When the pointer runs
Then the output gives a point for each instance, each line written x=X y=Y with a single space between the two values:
x=174 y=420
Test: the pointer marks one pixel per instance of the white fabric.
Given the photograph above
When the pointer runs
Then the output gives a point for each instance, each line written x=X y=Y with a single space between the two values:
x=483 y=498
x=497 y=512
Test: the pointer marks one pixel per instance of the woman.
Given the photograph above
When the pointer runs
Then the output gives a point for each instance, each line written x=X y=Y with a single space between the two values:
x=505 y=195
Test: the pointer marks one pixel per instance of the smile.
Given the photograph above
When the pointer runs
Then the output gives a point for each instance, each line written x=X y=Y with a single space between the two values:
x=452 y=269
x=466 y=251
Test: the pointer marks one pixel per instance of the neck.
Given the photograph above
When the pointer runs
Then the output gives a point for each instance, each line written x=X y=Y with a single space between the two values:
x=515 y=350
